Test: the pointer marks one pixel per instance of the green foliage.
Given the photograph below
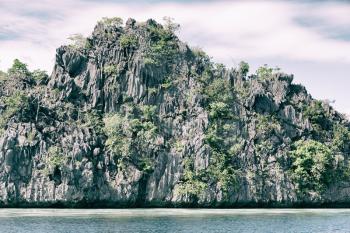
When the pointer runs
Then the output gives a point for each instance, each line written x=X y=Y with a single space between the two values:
x=40 y=76
x=341 y=137
x=130 y=139
x=264 y=72
x=179 y=146
x=218 y=110
x=218 y=91
x=192 y=185
x=148 y=111
x=163 y=48
x=221 y=169
x=152 y=90
x=146 y=164
x=18 y=68
x=317 y=115
x=15 y=104
x=54 y=159
x=266 y=124
x=93 y=120
x=243 y=68
x=110 y=69
x=111 y=22
x=167 y=84
x=118 y=141
x=313 y=166
x=170 y=25
x=78 y=41
x=200 y=54
x=3 y=76
x=128 y=41
x=31 y=136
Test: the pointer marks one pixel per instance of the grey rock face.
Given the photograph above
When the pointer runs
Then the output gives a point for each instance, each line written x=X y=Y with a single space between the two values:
x=62 y=157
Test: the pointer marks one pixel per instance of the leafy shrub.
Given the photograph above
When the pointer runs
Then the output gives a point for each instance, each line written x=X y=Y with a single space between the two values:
x=266 y=124
x=218 y=91
x=191 y=185
x=218 y=110
x=111 y=22
x=17 y=103
x=148 y=111
x=78 y=41
x=317 y=115
x=128 y=41
x=18 y=68
x=110 y=69
x=264 y=72
x=152 y=90
x=40 y=77
x=163 y=48
x=3 y=76
x=223 y=172
x=243 y=68
x=118 y=142
x=341 y=137
x=313 y=166
x=129 y=139
x=93 y=120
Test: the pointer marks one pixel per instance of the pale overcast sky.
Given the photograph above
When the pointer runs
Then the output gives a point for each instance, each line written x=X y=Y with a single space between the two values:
x=310 y=39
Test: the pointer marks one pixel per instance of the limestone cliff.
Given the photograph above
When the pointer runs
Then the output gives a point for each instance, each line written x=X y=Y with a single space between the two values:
x=131 y=116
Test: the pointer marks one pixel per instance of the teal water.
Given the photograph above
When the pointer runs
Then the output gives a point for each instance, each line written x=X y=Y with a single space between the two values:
x=174 y=220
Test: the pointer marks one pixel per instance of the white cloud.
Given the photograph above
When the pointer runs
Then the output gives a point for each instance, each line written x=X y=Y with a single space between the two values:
x=239 y=30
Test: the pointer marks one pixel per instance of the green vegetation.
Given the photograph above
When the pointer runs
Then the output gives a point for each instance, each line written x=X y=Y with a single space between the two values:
x=118 y=141
x=218 y=110
x=110 y=69
x=219 y=136
x=40 y=77
x=152 y=90
x=93 y=120
x=18 y=69
x=111 y=22
x=55 y=159
x=128 y=41
x=314 y=167
x=163 y=48
x=3 y=76
x=192 y=184
x=148 y=111
x=78 y=41
x=243 y=68
x=264 y=72
x=267 y=124
x=17 y=103
x=130 y=138
x=341 y=138
x=317 y=115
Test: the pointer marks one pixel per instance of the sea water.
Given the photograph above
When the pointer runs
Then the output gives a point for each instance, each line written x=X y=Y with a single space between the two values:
x=174 y=220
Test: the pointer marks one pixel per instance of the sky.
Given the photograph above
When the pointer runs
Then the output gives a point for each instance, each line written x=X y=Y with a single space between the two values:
x=310 y=39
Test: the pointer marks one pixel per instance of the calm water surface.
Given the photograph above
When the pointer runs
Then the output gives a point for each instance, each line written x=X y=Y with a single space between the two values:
x=174 y=220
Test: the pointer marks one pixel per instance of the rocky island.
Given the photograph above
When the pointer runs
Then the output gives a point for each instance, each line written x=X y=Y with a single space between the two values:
x=133 y=117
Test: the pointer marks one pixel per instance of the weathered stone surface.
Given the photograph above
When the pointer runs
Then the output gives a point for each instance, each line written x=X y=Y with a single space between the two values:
x=87 y=172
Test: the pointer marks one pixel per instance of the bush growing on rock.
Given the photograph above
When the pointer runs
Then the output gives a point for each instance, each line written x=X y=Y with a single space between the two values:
x=78 y=41
x=128 y=41
x=110 y=69
x=18 y=68
x=111 y=22
x=243 y=68
x=314 y=168
x=163 y=46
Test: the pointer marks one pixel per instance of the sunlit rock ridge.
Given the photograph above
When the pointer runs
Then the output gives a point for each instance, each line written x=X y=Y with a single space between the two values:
x=133 y=117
